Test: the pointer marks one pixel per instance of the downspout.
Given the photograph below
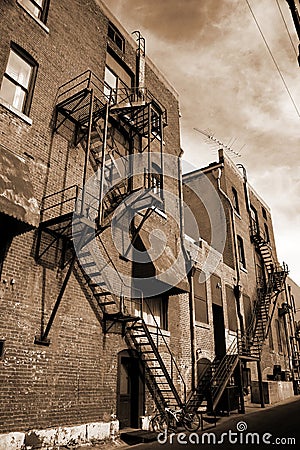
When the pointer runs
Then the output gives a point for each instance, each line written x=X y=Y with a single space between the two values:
x=190 y=277
x=237 y=287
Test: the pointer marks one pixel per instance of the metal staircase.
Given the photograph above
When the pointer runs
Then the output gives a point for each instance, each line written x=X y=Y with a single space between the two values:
x=89 y=113
x=162 y=373
x=214 y=380
x=251 y=343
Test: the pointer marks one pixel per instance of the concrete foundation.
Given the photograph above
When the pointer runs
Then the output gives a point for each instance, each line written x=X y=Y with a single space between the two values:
x=61 y=436
x=273 y=391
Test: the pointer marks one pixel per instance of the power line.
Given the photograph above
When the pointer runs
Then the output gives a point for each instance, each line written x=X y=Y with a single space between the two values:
x=287 y=29
x=274 y=61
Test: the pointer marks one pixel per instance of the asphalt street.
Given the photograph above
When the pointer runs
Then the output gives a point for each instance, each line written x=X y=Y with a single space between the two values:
x=273 y=426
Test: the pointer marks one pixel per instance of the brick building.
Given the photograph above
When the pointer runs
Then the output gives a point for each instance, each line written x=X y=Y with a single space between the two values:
x=88 y=330
x=101 y=316
x=244 y=300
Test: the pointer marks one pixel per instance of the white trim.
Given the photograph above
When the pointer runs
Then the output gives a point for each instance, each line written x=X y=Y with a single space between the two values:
x=15 y=111
x=202 y=325
x=38 y=21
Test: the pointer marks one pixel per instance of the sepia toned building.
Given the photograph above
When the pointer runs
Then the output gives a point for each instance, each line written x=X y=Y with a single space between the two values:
x=245 y=302
x=91 y=327
x=122 y=289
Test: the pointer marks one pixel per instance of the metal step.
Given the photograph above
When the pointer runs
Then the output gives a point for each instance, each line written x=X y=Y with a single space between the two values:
x=102 y=294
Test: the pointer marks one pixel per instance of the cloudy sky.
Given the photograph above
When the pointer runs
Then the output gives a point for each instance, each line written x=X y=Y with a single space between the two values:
x=215 y=56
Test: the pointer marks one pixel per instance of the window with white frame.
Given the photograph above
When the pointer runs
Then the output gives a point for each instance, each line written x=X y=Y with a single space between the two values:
x=18 y=80
x=117 y=80
x=38 y=8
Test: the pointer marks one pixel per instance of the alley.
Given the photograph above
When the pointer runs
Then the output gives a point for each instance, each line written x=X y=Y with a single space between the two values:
x=278 y=425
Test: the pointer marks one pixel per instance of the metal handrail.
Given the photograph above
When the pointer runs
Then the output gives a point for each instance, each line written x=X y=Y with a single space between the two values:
x=173 y=361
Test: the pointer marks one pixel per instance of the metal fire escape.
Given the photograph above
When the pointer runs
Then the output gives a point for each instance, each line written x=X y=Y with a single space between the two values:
x=248 y=346
x=88 y=112
x=267 y=294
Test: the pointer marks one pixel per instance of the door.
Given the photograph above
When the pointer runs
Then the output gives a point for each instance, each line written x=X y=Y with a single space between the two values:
x=219 y=330
x=130 y=391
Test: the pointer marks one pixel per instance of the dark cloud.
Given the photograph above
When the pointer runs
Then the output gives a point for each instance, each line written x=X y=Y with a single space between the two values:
x=173 y=19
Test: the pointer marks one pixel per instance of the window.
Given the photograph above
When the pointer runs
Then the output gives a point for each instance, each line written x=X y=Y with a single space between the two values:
x=264 y=213
x=38 y=8
x=18 y=80
x=155 y=312
x=241 y=252
x=267 y=235
x=254 y=220
x=200 y=298
x=231 y=308
x=247 y=310
x=118 y=81
x=116 y=37
x=235 y=200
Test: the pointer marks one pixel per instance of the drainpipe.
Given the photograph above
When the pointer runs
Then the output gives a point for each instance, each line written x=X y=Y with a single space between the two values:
x=190 y=276
x=237 y=287
x=192 y=327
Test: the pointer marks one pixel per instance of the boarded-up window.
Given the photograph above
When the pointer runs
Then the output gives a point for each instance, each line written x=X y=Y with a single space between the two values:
x=231 y=308
x=200 y=298
x=216 y=290
x=247 y=310
x=271 y=342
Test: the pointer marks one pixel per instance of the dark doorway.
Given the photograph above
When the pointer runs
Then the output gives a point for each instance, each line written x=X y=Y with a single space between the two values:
x=203 y=365
x=130 y=391
x=219 y=331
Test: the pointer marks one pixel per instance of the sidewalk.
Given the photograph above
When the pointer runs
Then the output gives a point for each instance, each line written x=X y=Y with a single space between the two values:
x=249 y=409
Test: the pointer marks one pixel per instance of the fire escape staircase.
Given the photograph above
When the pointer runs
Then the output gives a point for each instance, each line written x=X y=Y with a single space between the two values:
x=161 y=370
x=213 y=381
x=267 y=293
x=74 y=217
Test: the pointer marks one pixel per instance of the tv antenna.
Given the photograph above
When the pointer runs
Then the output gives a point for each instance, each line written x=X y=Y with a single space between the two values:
x=210 y=138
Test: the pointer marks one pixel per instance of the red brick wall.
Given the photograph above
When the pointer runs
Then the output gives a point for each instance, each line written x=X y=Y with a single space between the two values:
x=74 y=380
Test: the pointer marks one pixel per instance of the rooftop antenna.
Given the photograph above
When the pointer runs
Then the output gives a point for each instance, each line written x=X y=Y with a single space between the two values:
x=210 y=138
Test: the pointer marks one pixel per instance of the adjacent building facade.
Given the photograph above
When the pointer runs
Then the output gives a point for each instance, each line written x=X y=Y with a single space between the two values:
x=250 y=299
x=111 y=305
x=85 y=116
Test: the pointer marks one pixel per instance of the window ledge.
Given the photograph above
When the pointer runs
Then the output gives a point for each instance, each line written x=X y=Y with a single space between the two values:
x=153 y=331
x=243 y=269
x=16 y=112
x=160 y=212
x=231 y=332
x=38 y=21
x=202 y=325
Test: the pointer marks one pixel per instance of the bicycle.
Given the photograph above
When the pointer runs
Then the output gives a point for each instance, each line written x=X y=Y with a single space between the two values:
x=172 y=418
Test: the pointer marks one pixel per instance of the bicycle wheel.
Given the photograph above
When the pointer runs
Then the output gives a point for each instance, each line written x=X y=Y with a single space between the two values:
x=159 y=423
x=191 y=421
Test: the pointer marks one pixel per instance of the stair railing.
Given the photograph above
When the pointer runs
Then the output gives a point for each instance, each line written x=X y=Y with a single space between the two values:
x=159 y=335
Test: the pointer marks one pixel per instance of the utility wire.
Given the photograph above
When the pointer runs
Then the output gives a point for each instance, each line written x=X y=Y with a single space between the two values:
x=287 y=29
x=274 y=61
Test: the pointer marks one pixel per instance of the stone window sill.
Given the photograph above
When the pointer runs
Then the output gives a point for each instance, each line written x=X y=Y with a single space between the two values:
x=38 y=21
x=15 y=111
